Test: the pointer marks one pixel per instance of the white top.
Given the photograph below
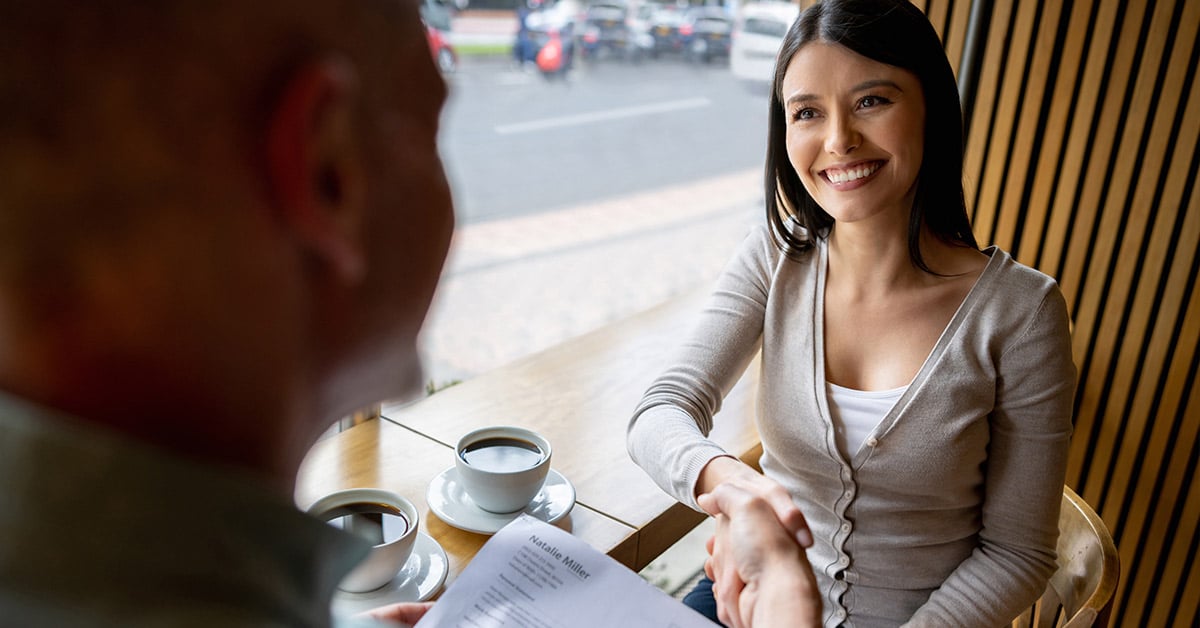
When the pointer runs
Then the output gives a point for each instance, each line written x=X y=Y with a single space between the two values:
x=855 y=413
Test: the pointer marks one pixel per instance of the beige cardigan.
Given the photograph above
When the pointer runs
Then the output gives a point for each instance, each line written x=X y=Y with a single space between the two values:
x=947 y=515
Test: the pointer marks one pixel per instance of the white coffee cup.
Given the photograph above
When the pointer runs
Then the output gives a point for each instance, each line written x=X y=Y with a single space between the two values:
x=384 y=518
x=502 y=468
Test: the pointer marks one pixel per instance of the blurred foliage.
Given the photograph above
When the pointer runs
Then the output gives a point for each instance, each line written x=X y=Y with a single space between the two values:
x=433 y=387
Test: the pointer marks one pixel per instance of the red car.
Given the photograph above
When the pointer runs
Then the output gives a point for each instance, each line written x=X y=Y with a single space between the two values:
x=443 y=53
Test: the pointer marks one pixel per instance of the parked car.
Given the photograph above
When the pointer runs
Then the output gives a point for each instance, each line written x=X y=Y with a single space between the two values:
x=443 y=53
x=757 y=35
x=436 y=13
x=605 y=30
x=662 y=26
x=705 y=34
x=641 y=42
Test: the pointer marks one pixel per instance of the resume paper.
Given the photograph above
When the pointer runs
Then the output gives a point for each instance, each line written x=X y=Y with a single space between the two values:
x=531 y=574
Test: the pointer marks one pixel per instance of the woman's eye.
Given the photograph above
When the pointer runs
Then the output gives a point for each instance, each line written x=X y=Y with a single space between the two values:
x=804 y=113
x=866 y=102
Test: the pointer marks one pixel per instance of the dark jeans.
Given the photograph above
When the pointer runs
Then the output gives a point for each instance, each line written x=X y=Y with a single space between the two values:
x=701 y=600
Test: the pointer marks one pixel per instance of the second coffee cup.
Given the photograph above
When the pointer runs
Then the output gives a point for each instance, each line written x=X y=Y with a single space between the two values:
x=382 y=517
x=502 y=468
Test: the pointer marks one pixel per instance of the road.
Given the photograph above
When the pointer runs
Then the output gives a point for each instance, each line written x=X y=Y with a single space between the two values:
x=515 y=143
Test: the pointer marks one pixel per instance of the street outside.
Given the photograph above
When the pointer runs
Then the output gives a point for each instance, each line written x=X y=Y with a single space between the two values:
x=517 y=143
x=581 y=202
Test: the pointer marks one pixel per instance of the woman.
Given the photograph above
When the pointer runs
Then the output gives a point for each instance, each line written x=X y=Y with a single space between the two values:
x=915 y=393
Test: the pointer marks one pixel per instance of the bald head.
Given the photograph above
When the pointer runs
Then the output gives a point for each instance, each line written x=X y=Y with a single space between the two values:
x=110 y=108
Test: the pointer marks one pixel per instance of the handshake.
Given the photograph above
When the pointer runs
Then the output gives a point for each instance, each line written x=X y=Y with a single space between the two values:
x=761 y=575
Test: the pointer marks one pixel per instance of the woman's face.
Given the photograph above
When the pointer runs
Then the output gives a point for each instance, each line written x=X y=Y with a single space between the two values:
x=855 y=132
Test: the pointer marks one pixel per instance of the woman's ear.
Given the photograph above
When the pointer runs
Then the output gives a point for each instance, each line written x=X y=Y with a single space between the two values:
x=314 y=162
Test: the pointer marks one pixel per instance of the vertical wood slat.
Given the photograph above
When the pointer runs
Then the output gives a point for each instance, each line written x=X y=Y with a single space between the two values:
x=1037 y=136
x=1165 y=534
x=1093 y=26
x=1039 y=29
x=1003 y=127
x=1093 y=238
x=1106 y=180
x=1069 y=114
x=979 y=135
x=954 y=33
x=1143 y=486
x=1114 y=352
x=949 y=19
x=1123 y=233
x=1065 y=261
x=1129 y=487
x=936 y=11
x=1081 y=160
x=1097 y=138
x=1185 y=602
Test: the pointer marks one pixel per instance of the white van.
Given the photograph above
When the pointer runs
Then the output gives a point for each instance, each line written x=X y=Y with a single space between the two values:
x=757 y=34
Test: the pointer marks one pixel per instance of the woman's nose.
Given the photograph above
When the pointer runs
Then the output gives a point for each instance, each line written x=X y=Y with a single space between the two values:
x=842 y=136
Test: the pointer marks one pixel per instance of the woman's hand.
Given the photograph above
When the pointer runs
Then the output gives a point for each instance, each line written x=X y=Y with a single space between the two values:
x=407 y=613
x=761 y=575
x=731 y=471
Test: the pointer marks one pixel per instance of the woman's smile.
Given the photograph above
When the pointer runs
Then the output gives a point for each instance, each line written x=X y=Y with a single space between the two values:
x=851 y=176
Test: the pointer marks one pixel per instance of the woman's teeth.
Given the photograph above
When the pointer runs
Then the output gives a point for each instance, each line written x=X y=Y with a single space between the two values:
x=853 y=174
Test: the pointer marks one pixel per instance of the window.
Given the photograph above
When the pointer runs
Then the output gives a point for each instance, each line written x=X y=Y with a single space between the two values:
x=590 y=194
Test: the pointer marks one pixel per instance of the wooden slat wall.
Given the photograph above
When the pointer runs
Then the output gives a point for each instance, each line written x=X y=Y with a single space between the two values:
x=1082 y=161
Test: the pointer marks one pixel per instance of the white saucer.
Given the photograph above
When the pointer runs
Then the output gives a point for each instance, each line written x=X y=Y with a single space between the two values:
x=416 y=581
x=449 y=501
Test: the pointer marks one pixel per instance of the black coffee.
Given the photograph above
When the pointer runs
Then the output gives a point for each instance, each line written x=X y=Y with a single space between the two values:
x=378 y=523
x=502 y=454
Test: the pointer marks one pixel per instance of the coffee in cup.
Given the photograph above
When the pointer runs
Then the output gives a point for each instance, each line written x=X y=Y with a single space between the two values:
x=502 y=468
x=387 y=520
x=375 y=522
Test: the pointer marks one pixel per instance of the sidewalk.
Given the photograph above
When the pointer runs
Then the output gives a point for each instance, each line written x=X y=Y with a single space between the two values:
x=517 y=286
x=482 y=27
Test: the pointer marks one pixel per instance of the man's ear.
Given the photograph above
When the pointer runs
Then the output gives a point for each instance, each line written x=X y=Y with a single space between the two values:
x=314 y=163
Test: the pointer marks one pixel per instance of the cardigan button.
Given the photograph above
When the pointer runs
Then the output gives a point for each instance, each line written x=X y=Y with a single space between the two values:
x=872 y=442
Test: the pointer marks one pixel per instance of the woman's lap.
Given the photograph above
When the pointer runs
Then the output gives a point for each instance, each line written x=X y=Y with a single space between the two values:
x=701 y=600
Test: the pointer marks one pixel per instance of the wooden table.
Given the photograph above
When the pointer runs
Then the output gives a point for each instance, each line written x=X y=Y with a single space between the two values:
x=580 y=395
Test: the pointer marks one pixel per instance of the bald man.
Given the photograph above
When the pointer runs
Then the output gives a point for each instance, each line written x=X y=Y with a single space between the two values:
x=221 y=224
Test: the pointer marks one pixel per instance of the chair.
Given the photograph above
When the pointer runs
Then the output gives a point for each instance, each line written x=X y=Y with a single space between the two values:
x=1081 y=591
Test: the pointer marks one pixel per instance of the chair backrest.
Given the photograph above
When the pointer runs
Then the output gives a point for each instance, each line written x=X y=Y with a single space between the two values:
x=1081 y=591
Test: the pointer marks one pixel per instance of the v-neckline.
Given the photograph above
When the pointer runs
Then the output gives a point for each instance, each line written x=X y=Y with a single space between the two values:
x=889 y=420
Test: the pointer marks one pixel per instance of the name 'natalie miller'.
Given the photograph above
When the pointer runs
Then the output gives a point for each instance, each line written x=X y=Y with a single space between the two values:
x=570 y=563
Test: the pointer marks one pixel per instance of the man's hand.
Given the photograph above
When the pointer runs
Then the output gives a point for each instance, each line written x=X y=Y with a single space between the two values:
x=761 y=575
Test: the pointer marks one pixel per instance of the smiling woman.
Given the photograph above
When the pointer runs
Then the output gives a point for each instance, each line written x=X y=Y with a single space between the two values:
x=915 y=392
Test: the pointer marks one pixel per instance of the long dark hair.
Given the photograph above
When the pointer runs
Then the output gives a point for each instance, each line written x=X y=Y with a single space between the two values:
x=898 y=34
